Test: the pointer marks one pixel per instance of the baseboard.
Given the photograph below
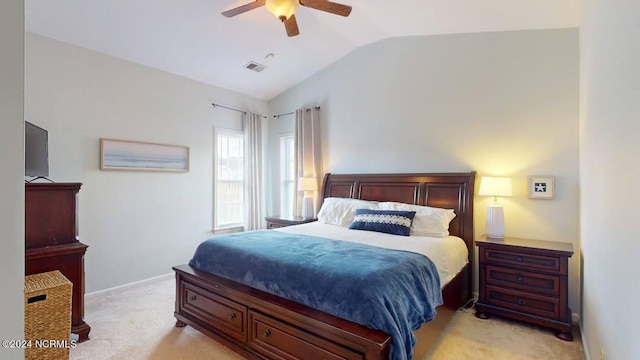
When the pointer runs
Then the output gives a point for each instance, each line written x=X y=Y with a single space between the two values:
x=128 y=286
x=585 y=349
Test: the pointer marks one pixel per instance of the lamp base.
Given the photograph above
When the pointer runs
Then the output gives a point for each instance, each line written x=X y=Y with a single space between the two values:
x=307 y=207
x=495 y=221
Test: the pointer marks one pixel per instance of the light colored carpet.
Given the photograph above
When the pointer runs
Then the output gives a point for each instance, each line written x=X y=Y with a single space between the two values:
x=467 y=337
x=138 y=323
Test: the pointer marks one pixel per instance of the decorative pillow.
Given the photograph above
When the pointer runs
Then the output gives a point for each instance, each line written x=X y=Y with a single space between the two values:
x=341 y=211
x=429 y=221
x=386 y=221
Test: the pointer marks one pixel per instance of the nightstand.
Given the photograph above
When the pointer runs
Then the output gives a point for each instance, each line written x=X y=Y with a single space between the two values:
x=525 y=280
x=274 y=222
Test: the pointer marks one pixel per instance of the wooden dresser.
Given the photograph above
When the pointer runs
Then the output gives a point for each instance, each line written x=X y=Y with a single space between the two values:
x=525 y=280
x=51 y=241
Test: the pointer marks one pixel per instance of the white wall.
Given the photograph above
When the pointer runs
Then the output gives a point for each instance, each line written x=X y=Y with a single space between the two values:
x=137 y=224
x=12 y=160
x=502 y=103
x=609 y=169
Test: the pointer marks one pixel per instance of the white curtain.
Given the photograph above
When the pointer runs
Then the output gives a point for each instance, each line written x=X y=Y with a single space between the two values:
x=254 y=194
x=308 y=154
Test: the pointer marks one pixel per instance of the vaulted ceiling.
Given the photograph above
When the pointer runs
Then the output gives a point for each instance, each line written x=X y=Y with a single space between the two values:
x=191 y=38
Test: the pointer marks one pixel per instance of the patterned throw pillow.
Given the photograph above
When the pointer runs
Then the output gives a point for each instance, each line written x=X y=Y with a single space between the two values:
x=386 y=221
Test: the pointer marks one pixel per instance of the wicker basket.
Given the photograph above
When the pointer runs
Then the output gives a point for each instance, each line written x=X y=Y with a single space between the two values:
x=47 y=316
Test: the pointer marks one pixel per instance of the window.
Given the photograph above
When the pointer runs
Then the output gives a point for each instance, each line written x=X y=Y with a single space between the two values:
x=229 y=179
x=287 y=192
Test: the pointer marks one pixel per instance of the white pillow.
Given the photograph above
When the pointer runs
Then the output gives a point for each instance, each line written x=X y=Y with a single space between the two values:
x=341 y=211
x=429 y=221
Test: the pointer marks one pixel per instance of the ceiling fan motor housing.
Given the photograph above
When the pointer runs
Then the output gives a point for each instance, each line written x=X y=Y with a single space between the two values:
x=282 y=9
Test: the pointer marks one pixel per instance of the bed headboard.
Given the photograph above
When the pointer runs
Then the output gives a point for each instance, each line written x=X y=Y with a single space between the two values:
x=443 y=190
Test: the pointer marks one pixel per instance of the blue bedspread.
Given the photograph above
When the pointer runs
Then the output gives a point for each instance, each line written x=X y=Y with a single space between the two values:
x=389 y=290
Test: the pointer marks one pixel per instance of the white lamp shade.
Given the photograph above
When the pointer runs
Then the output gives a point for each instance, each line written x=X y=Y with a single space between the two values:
x=495 y=186
x=282 y=8
x=307 y=184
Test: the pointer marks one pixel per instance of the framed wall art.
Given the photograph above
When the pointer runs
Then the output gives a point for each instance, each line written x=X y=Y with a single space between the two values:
x=541 y=187
x=142 y=156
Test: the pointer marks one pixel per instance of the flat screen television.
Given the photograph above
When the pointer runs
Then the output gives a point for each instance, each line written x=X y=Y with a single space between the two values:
x=36 y=151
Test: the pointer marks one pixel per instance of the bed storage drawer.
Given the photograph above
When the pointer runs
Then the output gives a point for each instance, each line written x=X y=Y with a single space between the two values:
x=227 y=315
x=523 y=280
x=278 y=340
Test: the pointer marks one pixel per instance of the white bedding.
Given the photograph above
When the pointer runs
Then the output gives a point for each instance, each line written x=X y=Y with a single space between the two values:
x=449 y=253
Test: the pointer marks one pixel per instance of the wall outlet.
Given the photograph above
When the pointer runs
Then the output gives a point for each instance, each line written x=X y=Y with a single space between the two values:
x=601 y=354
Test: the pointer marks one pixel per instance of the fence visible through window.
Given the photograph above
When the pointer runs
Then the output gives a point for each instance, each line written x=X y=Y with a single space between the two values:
x=230 y=202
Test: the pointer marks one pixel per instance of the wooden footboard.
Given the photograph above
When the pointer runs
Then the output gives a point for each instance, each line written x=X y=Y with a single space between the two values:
x=259 y=325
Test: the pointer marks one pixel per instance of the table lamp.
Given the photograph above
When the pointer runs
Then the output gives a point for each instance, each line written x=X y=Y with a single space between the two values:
x=495 y=186
x=308 y=185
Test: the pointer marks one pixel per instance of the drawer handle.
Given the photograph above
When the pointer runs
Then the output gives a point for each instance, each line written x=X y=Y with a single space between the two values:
x=266 y=334
x=519 y=280
x=519 y=259
x=232 y=316
x=193 y=297
x=520 y=301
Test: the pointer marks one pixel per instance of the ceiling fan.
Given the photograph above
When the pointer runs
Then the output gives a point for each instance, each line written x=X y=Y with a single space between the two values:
x=285 y=10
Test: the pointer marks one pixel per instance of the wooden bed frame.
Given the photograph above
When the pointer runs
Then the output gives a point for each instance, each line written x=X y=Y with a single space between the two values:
x=259 y=325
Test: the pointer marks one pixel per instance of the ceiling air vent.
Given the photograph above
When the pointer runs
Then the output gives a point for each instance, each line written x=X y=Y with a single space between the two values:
x=255 y=66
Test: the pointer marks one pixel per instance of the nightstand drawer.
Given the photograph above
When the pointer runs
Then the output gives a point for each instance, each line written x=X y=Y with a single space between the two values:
x=522 y=259
x=274 y=225
x=274 y=222
x=523 y=280
x=538 y=305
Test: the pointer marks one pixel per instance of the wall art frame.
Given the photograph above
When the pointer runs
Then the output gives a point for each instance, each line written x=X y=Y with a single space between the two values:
x=541 y=187
x=131 y=155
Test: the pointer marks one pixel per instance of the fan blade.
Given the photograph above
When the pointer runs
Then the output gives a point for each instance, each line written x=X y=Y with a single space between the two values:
x=291 y=25
x=244 y=8
x=328 y=6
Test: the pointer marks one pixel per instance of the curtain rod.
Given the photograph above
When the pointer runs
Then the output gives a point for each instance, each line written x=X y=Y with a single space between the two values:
x=293 y=112
x=230 y=108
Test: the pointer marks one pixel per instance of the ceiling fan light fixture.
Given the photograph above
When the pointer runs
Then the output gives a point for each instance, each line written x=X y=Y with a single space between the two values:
x=282 y=9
